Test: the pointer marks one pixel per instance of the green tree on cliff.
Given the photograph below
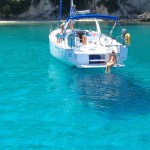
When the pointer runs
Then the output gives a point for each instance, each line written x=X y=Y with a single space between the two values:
x=14 y=7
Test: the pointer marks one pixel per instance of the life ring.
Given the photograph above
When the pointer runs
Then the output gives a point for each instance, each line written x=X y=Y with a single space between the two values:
x=127 y=38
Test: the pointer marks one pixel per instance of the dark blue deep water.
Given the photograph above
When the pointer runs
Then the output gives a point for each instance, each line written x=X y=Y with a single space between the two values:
x=47 y=105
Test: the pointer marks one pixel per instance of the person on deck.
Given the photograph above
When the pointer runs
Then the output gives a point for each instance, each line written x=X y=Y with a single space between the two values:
x=112 y=61
x=61 y=26
x=60 y=35
x=73 y=11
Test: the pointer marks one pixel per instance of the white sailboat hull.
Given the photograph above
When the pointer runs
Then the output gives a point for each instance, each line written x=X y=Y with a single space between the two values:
x=64 y=55
x=86 y=48
x=81 y=57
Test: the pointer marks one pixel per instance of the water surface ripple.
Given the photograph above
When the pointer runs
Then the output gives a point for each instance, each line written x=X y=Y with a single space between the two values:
x=47 y=105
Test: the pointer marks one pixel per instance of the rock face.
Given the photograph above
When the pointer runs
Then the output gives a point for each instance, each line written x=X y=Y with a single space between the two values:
x=44 y=10
x=144 y=17
x=129 y=9
x=123 y=8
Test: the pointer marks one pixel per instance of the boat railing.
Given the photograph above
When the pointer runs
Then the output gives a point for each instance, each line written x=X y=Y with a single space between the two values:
x=78 y=39
x=118 y=37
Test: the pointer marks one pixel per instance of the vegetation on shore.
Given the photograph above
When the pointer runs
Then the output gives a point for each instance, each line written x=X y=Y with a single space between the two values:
x=15 y=7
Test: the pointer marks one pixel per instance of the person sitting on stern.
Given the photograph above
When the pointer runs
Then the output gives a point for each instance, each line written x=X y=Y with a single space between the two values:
x=112 y=61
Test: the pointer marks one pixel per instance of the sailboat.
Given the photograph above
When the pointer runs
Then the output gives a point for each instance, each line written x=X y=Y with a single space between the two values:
x=88 y=47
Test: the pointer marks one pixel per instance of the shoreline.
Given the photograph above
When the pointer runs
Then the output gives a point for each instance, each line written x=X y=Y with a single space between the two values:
x=46 y=21
x=23 y=21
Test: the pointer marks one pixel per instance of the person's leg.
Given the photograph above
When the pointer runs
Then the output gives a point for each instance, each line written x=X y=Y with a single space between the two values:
x=72 y=22
x=108 y=69
x=111 y=64
x=108 y=66
x=71 y=26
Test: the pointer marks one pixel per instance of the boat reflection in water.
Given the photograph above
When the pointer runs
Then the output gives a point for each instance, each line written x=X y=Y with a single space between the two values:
x=112 y=94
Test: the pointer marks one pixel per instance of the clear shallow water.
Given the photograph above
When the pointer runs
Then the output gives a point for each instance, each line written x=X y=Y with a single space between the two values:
x=47 y=105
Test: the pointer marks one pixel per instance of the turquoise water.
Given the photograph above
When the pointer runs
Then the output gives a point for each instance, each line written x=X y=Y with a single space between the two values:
x=47 y=105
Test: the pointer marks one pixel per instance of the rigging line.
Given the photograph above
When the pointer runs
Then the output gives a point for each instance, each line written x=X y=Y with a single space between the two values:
x=112 y=29
x=120 y=25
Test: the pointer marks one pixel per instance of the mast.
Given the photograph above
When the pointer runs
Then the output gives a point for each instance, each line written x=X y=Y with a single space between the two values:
x=71 y=3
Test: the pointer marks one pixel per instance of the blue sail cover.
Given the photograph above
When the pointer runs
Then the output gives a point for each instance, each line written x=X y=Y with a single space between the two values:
x=96 y=16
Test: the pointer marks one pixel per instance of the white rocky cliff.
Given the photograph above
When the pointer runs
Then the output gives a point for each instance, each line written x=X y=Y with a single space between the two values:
x=43 y=10
x=129 y=9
